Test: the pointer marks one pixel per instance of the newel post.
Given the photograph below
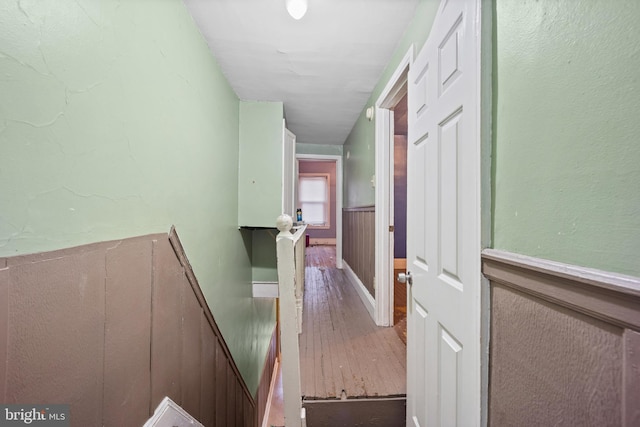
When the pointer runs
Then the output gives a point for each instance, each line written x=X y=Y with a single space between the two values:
x=284 y=223
x=292 y=394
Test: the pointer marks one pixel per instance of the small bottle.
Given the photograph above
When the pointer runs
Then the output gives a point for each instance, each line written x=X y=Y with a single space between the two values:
x=299 y=215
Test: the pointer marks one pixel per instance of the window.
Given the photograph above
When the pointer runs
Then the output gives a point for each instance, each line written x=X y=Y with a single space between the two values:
x=313 y=199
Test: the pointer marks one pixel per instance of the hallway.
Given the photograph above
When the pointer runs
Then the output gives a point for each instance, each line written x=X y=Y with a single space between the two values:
x=343 y=354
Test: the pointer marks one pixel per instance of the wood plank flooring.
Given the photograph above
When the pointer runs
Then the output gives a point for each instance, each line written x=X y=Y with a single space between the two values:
x=343 y=354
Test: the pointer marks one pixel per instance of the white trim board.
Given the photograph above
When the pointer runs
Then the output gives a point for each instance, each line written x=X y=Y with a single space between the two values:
x=338 y=160
x=392 y=93
x=265 y=289
x=363 y=293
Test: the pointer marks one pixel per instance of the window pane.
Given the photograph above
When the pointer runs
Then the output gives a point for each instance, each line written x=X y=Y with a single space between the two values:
x=313 y=213
x=313 y=197
x=312 y=189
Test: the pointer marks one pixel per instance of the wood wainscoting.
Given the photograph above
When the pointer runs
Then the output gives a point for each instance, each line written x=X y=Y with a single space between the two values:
x=565 y=344
x=111 y=328
x=358 y=243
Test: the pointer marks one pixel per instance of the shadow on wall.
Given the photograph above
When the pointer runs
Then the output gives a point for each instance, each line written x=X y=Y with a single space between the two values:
x=263 y=258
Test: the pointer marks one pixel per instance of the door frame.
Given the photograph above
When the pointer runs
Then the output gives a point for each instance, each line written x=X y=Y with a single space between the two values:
x=393 y=92
x=338 y=207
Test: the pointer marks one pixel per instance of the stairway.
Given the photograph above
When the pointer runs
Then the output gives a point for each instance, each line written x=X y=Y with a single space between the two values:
x=383 y=412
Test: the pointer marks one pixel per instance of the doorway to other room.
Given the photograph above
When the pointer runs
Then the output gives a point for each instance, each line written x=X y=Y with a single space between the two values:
x=399 y=207
x=326 y=229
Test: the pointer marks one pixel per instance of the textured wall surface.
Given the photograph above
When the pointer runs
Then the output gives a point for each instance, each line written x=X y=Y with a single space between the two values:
x=111 y=329
x=564 y=343
x=114 y=124
x=566 y=131
x=552 y=366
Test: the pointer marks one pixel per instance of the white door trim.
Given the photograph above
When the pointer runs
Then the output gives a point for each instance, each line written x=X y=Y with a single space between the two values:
x=485 y=119
x=338 y=160
x=392 y=93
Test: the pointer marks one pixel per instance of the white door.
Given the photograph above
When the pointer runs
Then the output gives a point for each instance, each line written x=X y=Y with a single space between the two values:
x=443 y=223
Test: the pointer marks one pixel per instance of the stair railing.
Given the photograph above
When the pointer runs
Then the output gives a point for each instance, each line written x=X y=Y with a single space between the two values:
x=291 y=256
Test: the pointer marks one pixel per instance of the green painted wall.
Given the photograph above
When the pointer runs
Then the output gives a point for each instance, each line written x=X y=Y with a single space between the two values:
x=359 y=167
x=116 y=121
x=260 y=199
x=263 y=261
x=567 y=131
x=326 y=150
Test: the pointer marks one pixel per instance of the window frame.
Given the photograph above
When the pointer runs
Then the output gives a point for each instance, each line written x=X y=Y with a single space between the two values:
x=327 y=213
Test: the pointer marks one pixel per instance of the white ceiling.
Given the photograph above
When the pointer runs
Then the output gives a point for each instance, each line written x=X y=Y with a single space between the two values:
x=323 y=67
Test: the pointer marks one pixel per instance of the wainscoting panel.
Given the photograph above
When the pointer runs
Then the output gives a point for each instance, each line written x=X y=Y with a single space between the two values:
x=564 y=347
x=128 y=314
x=166 y=349
x=358 y=243
x=208 y=382
x=56 y=334
x=111 y=328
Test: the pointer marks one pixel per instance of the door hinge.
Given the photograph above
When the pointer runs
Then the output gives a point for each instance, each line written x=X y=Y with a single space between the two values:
x=391 y=229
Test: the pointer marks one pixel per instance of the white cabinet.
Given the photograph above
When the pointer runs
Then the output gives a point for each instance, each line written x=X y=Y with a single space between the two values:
x=266 y=165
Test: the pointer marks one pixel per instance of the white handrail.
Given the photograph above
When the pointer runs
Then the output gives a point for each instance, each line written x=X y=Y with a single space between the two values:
x=290 y=252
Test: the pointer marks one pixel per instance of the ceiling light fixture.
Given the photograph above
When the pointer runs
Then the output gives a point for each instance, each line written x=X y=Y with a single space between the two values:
x=296 y=8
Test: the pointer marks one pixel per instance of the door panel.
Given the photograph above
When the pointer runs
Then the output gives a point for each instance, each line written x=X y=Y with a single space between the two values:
x=449 y=245
x=418 y=365
x=449 y=360
x=418 y=201
x=449 y=57
x=443 y=223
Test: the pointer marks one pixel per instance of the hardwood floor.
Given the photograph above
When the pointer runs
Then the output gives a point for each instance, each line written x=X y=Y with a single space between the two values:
x=343 y=354
x=321 y=256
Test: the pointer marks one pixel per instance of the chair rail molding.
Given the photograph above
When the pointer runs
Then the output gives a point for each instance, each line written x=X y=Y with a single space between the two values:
x=597 y=311
x=612 y=297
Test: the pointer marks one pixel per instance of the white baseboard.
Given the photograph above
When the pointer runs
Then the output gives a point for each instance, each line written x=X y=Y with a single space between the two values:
x=368 y=300
x=265 y=290
x=322 y=241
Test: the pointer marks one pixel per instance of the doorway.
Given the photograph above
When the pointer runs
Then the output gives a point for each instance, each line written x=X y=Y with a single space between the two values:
x=391 y=103
x=398 y=204
x=322 y=171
